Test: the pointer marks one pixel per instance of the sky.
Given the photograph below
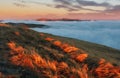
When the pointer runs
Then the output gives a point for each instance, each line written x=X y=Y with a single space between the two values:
x=57 y=9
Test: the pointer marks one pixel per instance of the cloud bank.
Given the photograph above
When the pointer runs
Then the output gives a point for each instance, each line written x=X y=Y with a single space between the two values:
x=73 y=5
x=76 y=5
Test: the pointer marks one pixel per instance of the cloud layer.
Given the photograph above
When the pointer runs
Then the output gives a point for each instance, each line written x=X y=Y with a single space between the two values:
x=72 y=5
x=25 y=3
x=76 y=5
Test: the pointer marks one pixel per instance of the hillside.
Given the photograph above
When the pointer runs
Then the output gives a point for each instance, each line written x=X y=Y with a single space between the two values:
x=25 y=53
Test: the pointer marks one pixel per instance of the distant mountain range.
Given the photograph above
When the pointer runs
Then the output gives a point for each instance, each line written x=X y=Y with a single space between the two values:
x=63 y=19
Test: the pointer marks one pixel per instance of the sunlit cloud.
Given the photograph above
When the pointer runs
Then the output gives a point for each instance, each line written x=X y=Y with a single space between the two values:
x=62 y=7
x=73 y=5
x=76 y=5
x=29 y=2
x=19 y=4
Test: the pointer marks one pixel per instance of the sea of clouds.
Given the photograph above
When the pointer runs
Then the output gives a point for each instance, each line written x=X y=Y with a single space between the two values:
x=101 y=32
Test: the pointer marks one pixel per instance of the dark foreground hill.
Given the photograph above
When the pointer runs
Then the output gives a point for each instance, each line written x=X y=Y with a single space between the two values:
x=25 y=53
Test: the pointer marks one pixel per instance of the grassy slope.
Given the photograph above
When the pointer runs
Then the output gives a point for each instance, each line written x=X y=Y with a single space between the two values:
x=32 y=40
x=94 y=50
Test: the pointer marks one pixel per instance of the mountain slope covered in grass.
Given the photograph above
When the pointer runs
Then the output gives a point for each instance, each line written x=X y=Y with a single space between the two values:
x=25 y=53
